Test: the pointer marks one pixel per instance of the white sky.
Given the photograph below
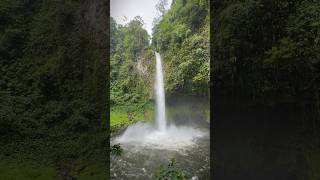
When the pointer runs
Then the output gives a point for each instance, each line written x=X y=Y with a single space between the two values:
x=131 y=8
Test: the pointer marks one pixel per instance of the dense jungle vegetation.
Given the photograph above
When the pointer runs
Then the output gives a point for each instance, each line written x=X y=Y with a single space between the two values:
x=268 y=52
x=54 y=81
x=53 y=60
x=181 y=36
x=131 y=72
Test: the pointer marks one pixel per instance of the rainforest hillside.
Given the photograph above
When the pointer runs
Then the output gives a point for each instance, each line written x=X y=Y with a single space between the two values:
x=131 y=73
x=266 y=84
x=268 y=52
x=132 y=59
x=53 y=83
x=182 y=38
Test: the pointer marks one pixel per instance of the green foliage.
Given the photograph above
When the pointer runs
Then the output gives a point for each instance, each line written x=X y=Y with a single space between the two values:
x=182 y=37
x=131 y=75
x=45 y=81
x=131 y=64
x=16 y=171
x=92 y=171
x=30 y=170
x=118 y=118
x=119 y=115
x=267 y=50
x=53 y=78
x=170 y=172
x=116 y=150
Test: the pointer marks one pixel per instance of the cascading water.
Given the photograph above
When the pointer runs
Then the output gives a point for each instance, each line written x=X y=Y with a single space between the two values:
x=160 y=95
x=162 y=135
x=147 y=144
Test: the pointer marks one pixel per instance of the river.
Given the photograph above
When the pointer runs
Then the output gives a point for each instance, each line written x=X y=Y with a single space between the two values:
x=141 y=159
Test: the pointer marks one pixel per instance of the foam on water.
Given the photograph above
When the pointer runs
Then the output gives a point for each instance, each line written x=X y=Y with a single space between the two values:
x=161 y=135
x=174 y=138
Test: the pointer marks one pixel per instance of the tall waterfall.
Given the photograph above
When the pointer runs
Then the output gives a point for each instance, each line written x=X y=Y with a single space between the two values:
x=162 y=136
x=160 y=97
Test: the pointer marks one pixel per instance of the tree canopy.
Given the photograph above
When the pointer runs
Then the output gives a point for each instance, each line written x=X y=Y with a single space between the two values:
x=182 y=38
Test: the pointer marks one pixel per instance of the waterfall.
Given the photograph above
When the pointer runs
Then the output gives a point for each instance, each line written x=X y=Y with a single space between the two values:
x=162 y=136
x=160 y=96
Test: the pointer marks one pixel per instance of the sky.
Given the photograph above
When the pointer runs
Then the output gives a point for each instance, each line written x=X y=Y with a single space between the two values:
x=131 y=8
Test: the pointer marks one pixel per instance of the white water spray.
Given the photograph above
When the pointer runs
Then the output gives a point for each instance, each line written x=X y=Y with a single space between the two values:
x=162 y=136
x=160 y=96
